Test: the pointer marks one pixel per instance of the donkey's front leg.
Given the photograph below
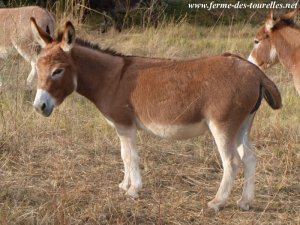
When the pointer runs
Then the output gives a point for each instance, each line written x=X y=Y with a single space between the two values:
x=132 y=182
x=32 y=75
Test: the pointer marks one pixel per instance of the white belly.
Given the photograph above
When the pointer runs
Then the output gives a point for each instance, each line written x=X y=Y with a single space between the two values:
x=177 y=131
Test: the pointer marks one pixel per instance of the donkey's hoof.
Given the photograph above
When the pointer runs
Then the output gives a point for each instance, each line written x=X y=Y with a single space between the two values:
x=132 y=192
x=124 y=186
x=244 y=205
x=215 y=205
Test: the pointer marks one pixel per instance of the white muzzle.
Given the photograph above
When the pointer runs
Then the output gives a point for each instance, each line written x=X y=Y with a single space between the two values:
x=44 y=103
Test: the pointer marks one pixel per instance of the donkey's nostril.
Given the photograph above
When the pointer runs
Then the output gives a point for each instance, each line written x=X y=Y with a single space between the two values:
x=43 y=106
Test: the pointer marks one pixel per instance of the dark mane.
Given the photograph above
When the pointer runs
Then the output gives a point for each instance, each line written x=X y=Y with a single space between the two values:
x=285 y=22
x=289 y=22
x=91 y=45
x=94 y=46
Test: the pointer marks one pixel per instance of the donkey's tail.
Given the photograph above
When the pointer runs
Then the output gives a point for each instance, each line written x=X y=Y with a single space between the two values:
x=271 y=92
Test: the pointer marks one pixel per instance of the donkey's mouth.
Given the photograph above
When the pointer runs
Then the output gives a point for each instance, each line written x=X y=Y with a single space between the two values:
x=44 y=103
x=47 y=113
x=44 y=110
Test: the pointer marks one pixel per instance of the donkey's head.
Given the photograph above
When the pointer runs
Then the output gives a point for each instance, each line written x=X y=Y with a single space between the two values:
x=55 y=68
x=264 y=52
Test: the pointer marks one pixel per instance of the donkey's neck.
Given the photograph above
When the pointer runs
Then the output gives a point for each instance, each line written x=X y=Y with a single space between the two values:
x=287 y=44
x=96 y=72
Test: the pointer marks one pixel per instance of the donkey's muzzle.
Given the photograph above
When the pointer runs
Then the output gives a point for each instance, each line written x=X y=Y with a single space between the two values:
x=44 y=103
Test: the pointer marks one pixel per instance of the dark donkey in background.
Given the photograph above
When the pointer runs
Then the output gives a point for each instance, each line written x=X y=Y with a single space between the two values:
x=176 y=99
x=109 y=8
x=114 y=10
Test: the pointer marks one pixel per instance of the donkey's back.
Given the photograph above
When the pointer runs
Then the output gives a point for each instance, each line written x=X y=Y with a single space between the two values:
x=15 y=32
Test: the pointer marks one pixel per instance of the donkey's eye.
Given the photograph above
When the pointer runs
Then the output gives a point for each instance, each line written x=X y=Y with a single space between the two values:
x=256 y=41
x=57 y=72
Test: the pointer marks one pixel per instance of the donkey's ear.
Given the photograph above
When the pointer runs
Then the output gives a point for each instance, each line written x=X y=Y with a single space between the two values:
x=42 y=37
x=271 y=21
x=68 y=38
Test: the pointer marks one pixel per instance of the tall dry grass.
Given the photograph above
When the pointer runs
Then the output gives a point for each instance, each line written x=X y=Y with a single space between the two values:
x=65 y=169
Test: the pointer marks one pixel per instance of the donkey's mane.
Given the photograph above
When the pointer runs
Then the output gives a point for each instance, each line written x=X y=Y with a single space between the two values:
x=91 y=45
x=286 y=22
x=97 y=47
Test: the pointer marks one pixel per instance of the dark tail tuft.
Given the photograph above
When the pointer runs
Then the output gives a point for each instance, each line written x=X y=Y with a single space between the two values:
x=258 y=100
x=271 y=93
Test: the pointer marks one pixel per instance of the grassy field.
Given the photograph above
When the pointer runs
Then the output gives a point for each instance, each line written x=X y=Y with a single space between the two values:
x=65 y=169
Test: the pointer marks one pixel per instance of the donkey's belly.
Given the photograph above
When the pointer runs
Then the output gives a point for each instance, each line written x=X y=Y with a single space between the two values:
x=183 y=131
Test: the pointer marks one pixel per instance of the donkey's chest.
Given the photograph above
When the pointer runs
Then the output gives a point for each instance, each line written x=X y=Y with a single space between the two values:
x=178 y=131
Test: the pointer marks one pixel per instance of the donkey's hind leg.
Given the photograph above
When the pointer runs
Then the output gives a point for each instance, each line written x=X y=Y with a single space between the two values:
x=225 y=138
x=249 y=161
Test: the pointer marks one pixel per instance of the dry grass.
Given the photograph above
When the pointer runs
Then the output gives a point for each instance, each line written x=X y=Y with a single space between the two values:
x=65 y=169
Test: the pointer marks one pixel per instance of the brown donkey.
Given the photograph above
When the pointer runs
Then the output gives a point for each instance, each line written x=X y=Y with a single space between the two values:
x=278 y=39
x=171 y=98
x=15 y=33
